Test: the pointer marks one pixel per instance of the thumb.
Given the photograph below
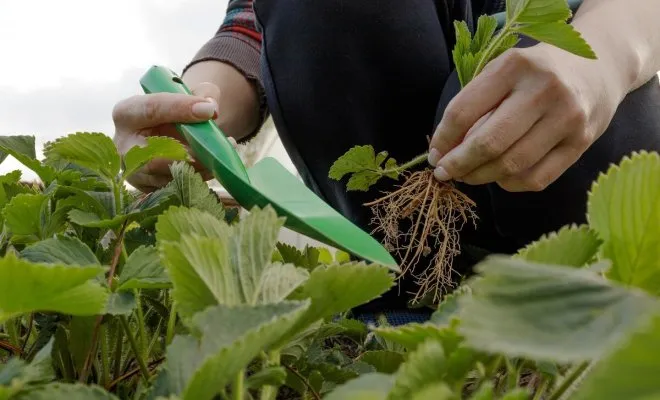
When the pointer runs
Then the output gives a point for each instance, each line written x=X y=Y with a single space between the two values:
x=210 y=92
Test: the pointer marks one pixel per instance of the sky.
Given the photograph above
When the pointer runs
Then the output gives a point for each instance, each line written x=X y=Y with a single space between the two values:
x=65 y=63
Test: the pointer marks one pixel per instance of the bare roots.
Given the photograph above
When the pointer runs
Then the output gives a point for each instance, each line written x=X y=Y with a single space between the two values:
x=437 y=212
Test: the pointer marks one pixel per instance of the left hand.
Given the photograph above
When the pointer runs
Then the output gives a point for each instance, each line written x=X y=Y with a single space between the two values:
x=525 y=119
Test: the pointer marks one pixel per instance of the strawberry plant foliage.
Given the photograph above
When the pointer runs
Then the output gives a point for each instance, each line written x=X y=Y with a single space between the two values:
x=106 y=293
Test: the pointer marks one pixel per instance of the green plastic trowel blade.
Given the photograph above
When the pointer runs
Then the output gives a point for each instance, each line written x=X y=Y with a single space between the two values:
x=268 y=183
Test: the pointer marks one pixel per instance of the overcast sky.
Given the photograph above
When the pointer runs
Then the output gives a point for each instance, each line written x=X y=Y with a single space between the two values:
x=65 y=63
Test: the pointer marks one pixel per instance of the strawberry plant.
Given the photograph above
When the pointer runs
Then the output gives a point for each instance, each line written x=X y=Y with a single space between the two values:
x=172 y=296
x=437 y=211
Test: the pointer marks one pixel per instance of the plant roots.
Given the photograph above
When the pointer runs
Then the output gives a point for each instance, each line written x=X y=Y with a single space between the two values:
x=437 y=211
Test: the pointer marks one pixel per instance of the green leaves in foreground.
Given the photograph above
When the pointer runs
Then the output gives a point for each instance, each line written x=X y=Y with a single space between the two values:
x=211 y=263
x=365 y=166
x=624 y=209
x=547 y=313
x=229 y=337
x=628 y=371
x=27 y=287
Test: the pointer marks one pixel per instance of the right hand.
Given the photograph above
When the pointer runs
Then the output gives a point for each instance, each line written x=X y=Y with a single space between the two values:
x=154 y=115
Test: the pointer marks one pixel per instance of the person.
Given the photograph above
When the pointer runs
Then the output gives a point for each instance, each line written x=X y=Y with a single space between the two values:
x=525 y=139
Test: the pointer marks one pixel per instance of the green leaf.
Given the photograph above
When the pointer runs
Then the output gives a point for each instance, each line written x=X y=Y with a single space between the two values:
x=192 y=192
x=221 y=264
x=538 y=11
x=373 y=386
x=22 y=148
x=561 y=35
x=412 y=335
x=624 y=208
x=547 y=313
x=270 y=376
x=16 y=374
x=573 y=246
x=278 y=281
x=179 y=221
x=61 y=391
x=79 y=344
x=121 y=303
x=27 y=287
x=150 y=205
x=23 y=145
x=364 y=165
x=143 y=270
x=485 y=391
x=517 y=394
x=251 y=244
x=94 y=151
x=486 y=26
x=60 y=250
x=436 y=391
x=92 y=220
x=383 y=360
x=425 y=366
x=25 y=216
x=308 y=259
x=201 y=274
x=156 y=147
x=337 y=288
x=545 y=21
x=448 y=308
x=230 y=338
x=629 y=369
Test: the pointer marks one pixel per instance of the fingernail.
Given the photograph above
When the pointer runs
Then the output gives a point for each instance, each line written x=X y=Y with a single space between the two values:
x=434 y=156
x=215 y=104
x=441 y=174
x=204 y=109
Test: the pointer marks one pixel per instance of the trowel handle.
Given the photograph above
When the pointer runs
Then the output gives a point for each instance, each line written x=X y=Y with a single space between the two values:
x=207 y=141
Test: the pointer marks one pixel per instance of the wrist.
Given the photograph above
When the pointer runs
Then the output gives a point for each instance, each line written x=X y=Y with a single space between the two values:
x=239 y=107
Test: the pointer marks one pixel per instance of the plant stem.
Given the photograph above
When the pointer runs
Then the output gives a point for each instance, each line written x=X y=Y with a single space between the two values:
x=12 y=329
x=105 y=357
x=116 y=189
x=29 y=332
x=304 y=381
x=113 y=267
x=541 y=389
x=136 y=350
x=140 y=321
x=492 y=46
x=566 y=384
x=239 y=386
x=400 y=168
x=119 y=344
x=270 y=392
x=171 y=324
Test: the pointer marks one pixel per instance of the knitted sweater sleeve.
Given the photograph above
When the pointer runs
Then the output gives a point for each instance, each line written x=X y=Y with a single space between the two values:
x=237 y=42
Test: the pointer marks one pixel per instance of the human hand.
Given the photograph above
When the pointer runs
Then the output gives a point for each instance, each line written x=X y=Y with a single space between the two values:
x=525 y=119
x=154 y=115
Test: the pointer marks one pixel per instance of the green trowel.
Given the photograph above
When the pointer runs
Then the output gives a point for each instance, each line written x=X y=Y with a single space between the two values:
x=268 y=183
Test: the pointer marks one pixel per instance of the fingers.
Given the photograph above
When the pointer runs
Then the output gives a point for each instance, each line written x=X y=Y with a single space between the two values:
x=508 y=123
x=475 y=100
x=544 y=173
x=152 y=110
x=521 y=156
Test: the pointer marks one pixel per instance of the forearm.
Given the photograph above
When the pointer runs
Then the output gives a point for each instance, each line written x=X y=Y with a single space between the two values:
x=625 y=37
x=239 y=103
